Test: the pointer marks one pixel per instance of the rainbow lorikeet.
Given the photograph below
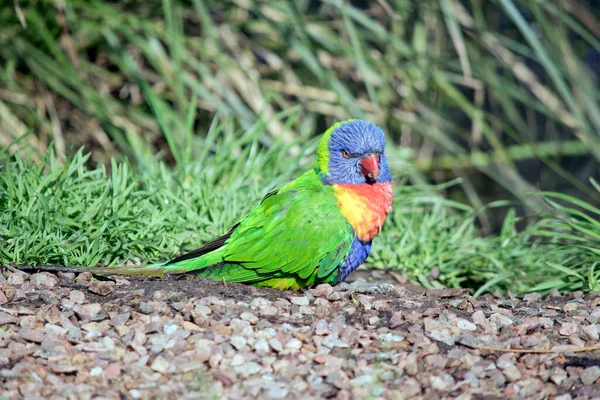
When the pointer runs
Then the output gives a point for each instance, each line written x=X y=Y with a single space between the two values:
x=315 y=229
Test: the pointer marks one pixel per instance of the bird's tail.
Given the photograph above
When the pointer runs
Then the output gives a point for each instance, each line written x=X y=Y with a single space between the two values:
x=182 y=265
x=127 y=270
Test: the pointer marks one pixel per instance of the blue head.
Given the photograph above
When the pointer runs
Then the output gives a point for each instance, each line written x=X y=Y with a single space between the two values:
x=353 y=152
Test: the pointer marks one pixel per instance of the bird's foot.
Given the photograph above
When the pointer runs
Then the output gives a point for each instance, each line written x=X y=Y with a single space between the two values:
x=369 y=288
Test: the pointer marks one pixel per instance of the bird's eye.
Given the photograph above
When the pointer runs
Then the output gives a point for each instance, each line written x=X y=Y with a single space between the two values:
x=345 y=154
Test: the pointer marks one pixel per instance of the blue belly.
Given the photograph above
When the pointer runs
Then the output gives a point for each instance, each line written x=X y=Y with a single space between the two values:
x=358 y=254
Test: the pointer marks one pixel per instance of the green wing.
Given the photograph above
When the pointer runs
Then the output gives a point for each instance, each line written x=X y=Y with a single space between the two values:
x=296 y=237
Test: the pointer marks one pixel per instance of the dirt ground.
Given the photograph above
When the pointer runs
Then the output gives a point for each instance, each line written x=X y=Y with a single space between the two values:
x=65 y=335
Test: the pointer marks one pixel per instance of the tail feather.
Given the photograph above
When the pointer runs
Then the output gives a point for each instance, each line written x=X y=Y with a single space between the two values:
x=129 y=270
x=173 y=267
x=208 y=257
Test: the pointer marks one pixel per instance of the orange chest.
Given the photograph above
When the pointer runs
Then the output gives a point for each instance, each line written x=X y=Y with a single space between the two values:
x=365 y=207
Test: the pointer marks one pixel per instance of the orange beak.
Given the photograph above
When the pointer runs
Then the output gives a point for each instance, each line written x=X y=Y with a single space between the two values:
x=370 y=165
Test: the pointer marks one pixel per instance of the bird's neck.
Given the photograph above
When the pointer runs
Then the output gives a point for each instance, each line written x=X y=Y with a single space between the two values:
x=365 y=206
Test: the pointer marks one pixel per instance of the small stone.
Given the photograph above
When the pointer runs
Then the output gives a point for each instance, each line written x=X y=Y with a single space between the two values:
x=112 y=371
x=546 y=322
x=16 y=279
x=478 y=317
x=276 y=393
x=87 y=311
x=237 y=360
x=363 y=380
x=6 y=318
x=442 y=335
x=247 y=316
x=442 y=382
x=530 y=341
x=322 y=290
x=570 y=307
x=559 y=377
x=32 y=335
x=248 y=369
x=74 y=334
x=321 y=327
x=276 y=345
x=590 y=332
x=330 y=341
x=565 y=396
x=162 y=366
x=512 y=373
x=66 y=277
x=532 y=297
x=77 y=296
x=103 y=288
x=576 y=340
x=83 y=278
x=396 y=320
x=55 y=329
x=590 y=375
x=293 y=344
x=500 y=320
x=120 y=319
x=3 y=297
x=238 y=342
x=554 y=293
x=299 y=301
x=306 y=310
x=465 y=325
x=436 y=360
x=190 y=326
x=43 y=280
x=146 y=308
x=567 y=329
x=390 y=337
x=261 y=346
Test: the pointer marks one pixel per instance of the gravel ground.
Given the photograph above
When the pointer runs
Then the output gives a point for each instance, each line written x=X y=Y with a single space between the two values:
x=67 y=336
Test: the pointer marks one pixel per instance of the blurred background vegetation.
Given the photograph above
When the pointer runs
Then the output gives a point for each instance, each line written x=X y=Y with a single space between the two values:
x=502 y=94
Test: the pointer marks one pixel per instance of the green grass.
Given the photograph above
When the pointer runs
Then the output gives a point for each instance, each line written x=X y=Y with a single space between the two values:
x=64 y=212
x=472 y=89
x=478 y=91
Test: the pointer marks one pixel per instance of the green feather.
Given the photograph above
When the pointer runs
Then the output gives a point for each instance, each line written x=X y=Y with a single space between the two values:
x=295 y=238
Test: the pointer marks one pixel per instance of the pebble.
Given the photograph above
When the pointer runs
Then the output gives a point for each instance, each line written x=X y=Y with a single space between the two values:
x=322 y=290
x=479 y=317
x=300 y=301
x=276 y=345
x=465 y=325
x=293 y=344
x=500 y=320
x=568 y=328
x=248 y=316
x=87 y=311
x=170 y=344
x=590 y=375
x=546 y=322
x=103 y=288
x=43 y=280
x=32 y=334
x=512 y=373
x=238 y=342
x=161 y=365
x=591 y=332
x=15 y=279
x=262 y=346
x=532 y=297
x=6 y=318
x=443 y=382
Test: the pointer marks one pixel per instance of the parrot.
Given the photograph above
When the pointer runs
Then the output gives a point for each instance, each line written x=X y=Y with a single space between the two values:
x=315 y=229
